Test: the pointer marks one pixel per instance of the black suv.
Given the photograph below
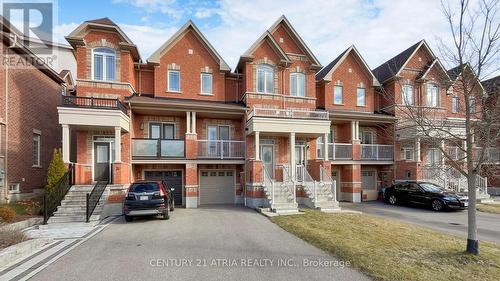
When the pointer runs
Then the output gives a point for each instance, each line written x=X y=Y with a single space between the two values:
x=147 y=198
x=425 y=194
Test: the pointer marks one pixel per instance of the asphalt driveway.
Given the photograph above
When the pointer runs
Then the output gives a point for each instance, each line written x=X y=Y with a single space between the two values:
x=217 y=243
x=454 y=222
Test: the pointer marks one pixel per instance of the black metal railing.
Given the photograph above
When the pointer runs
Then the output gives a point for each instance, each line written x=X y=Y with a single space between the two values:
x=95 y=103
x=53 y=198
x=94 y=196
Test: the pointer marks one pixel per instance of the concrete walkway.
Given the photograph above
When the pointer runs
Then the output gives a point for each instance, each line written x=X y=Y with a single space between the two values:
x=217 y=243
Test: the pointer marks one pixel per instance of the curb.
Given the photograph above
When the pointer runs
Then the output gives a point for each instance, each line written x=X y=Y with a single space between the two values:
x=21 y=250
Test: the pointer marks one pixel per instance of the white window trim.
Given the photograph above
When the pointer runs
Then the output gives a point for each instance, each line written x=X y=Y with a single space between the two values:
x=161 y=129
x=453 y=108
x=432 y=84
x=104 y=64
x=266 y=90
x=39 y=148
x=168 y=81
x=218 y=130
x=411 y=149
x=403 y=94
x=297 y=74
x=17 y=188
x=364 y=98
x=341 y=94
x=201 y=84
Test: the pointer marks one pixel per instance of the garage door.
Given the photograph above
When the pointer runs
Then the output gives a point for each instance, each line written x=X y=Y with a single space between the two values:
x=171 y=178
x=369 y=185
x=217 y=187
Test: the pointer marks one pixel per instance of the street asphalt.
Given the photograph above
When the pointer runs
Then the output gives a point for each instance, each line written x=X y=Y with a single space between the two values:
x=212 y=243
x=454 y=222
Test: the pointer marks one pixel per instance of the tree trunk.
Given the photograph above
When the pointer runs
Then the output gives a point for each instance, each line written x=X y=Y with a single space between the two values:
x=472 y=242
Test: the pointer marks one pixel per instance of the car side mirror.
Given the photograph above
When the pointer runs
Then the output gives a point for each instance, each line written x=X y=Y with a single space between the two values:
x=172 y=189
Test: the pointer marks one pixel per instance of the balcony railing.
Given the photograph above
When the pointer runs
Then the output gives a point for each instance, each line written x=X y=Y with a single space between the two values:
x=493 y=155
x=156 y=149
x=340 y=151
x=289 y=113
x=221 y=149
x=377 y=152
x=93 y=103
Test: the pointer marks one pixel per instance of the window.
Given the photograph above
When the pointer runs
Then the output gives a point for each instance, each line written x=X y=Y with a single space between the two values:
x=206 y=83
x=174 y=81
x=454 y=104
x=265 y=79
x=319 y=147
x=297 y=85
x=472 y=105
x=433 y=156
x=367 y=137
x=360 y=101
x=104 y=64
x=408 y=153
x=337 y=94
x=36 y=149
x=161 y=131
x=407 y=94
x=432 y=95
x=14 y=188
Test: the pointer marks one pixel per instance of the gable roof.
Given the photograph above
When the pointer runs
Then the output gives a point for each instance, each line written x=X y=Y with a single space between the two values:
x=456 y=72
x=274 y=45
x=326 y=72
x=393 y=66
x=155 y=57
x=435 y=62
x=75 y=38
x=492 y=85
x=301 y=44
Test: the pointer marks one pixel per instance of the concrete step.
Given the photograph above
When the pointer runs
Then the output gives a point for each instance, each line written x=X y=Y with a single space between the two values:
x=70 y=209
x=65 y=219
x=284 y=207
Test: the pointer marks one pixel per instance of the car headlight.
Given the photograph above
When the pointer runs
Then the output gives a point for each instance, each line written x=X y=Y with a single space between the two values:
x=450 y=198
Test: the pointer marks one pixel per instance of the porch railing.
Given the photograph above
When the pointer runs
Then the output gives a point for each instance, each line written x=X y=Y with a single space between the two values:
x=221 y=149
x=340 y=151
x=93 y=198
x=93 y=103
x=157 y=148
x=377 y=152
x=53 y=198
x=289 y=113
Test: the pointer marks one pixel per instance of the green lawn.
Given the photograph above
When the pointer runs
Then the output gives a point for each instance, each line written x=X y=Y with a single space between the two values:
x=489 y=208
x=390 y=250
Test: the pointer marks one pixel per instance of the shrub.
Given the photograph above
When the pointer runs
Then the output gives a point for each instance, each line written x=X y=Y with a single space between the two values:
x=9 y=237
x=31 y=207
x=7 y=214
x=56 y=170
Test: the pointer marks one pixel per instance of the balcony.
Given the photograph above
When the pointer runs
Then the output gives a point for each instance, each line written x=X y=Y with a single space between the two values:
x=157 y=149
x=340 y=151
x=93 y=103
x=378 y=152
x=288 y=113
x=220 y=149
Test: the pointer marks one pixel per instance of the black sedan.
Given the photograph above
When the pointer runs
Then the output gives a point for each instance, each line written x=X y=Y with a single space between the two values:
x=147 y=198
x=425 y=194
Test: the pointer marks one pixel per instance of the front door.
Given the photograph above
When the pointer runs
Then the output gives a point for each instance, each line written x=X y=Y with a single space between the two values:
x=102 y=161
x=267 y=154
x=300 y=161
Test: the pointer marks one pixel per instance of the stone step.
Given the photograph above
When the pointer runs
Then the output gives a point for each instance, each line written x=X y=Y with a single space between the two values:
x=70 y=209
x=55 y=219
x=66 y=225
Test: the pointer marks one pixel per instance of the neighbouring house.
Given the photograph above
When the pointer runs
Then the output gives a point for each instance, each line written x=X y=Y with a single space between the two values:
x=492 y=167
x=28 y=117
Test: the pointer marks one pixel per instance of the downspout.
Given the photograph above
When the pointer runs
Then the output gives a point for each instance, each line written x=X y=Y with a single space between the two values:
x=6 y=89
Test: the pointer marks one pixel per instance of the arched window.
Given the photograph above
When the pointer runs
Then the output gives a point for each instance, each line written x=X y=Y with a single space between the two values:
x=265 y=79
x=103 y=64
x=297 y=84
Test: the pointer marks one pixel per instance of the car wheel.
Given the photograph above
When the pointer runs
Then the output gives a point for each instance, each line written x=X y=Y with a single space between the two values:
x=392 y=199
x=437 y=205
x=166 y=215
x=128 y=218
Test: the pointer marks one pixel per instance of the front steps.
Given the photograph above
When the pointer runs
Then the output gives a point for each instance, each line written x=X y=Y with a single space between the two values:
x=284 y=201
x=324 y=200
x=74 y=205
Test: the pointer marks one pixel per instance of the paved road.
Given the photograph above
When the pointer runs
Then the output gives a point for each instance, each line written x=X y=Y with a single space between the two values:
x=141 y=250
x=454 y=222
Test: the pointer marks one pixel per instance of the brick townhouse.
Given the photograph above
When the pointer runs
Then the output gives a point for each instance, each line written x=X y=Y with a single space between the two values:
x=28 y=117
x=274 y=132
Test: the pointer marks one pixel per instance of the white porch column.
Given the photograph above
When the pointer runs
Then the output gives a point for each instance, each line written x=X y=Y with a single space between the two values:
x=292 y=155
x=354 y=130
x=65 y=143
x=118 y=145
x=188 y=122
x=193 y=119
x=417 y=149
x=257 y=146
x=325 y=148
x=442 y=153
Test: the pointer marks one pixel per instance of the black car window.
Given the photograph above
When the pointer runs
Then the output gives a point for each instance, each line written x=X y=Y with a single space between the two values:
x=413 y=187
x=144 y=187
x=429 y=187
x=402 y=186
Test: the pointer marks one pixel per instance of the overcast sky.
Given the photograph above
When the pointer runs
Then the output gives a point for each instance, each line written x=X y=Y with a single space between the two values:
x=379 y=28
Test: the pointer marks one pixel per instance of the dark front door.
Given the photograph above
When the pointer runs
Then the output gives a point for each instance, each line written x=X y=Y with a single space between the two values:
x=172 y=179
x=102 y=167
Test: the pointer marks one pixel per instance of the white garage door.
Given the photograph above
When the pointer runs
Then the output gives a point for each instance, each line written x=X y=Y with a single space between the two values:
x=217 y=187
x=369 y=185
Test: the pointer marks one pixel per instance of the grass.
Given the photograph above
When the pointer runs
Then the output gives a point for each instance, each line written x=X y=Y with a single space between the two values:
x=390 y=250
x=9 y=237
x=489 y=208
